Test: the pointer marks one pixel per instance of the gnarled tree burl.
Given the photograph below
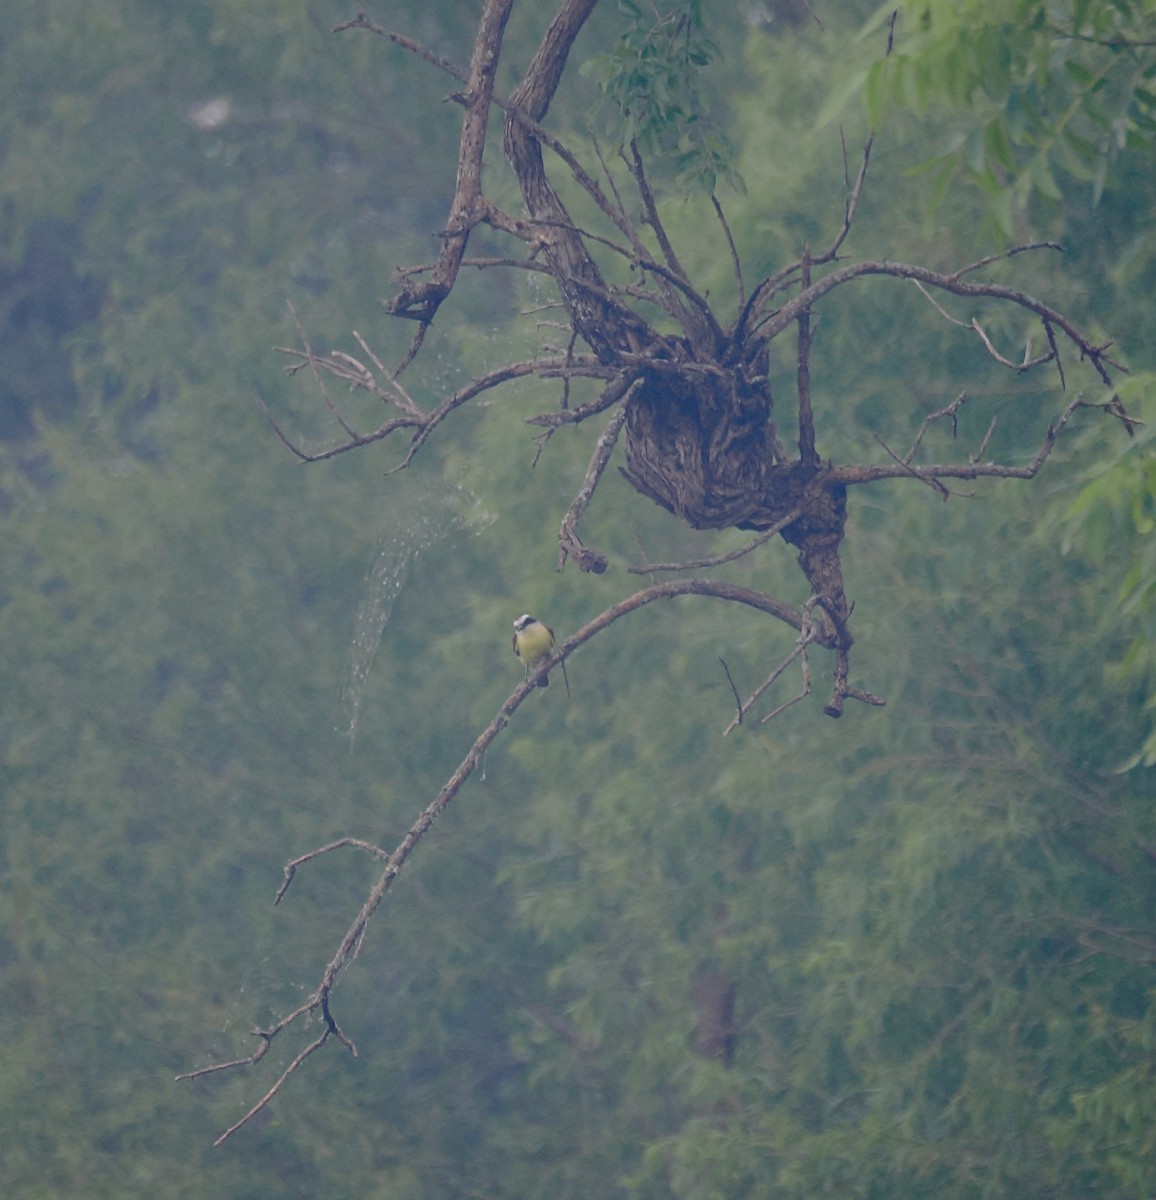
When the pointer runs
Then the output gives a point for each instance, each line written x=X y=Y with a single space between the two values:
x=689 y=391
x=702 y=437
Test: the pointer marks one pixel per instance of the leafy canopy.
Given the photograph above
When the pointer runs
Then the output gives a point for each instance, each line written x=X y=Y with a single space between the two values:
x=655 y=94
x=1048 y=94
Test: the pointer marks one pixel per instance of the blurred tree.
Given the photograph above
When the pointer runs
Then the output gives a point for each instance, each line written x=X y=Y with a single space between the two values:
x=1049 y=102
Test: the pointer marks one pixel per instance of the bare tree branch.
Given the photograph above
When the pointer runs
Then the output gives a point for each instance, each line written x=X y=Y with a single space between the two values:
x=291 y=866
x=799 y=696
x=735 y=260
x=350 y=946
x=421 y=303
x=988 y=259
x=700 y=325
x=689 y=393
x=361 y=21
x=548 y=367
x=610 y=395
x=807 y=452
x=569 y=543
x=774 y=324
x=718 y=559
x=734 y=691
x=753 y=699
x=949 y=412
x=971 y=470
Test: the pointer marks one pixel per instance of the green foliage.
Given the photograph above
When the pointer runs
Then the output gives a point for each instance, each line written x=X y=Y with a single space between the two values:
x=1112 y=519
x=936 y=918
x=1047 y=92
x=653 y=84
x=917 y=929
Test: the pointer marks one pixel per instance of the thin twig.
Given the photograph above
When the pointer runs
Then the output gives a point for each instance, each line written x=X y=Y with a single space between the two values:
x=803 y=693
x=361 y=21
x=808 y=632
x=269 y=1095
x=482 y=264
x=807 y=453
x=735 y=261
x=312 y=361
x=950 y=411
x=1025 y=248
x=1026 y=364
x=570 y=545
x=734 y=691
x=719 y=559
x=1056 y=352
x=931 y=482
x=357 y=440
x=291 y=867
x=983 y=445
x=870 y=473
x=851 y=204
x=607 y=398
x=939 y=307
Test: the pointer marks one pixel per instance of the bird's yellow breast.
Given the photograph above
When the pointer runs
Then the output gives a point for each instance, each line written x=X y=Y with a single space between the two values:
x=533 y=643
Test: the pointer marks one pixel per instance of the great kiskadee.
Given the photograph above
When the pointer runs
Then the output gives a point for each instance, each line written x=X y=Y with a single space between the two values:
x=533 y=642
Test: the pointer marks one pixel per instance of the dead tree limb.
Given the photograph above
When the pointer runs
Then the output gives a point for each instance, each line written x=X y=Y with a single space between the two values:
x=687 y=393
x=692 y=407
x=319 y=1000
x=422 y=302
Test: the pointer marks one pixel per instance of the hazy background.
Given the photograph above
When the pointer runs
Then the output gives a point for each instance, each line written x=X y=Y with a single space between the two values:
x=936 y=918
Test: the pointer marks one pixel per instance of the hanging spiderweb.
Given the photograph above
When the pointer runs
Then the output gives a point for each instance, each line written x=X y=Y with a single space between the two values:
x=413 y=523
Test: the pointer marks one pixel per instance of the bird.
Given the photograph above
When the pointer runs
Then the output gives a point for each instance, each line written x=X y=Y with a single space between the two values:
x=532 y=643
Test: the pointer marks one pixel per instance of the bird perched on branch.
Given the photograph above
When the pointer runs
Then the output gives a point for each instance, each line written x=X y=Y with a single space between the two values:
x=532 y=643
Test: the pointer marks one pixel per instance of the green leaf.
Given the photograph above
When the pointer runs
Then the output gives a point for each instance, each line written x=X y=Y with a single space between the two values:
x=852 y=83
x=997 y=144
x=1001 y=208
x=875 y=93
x=1077 y=71
x=975 y=152
x=1040 y=172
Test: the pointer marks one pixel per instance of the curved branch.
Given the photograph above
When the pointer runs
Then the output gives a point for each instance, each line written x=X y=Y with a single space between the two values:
x=560 y=366
x=605 y=325
x=553 y=366
x=318 y=1001
x=357 y=440
x=718 y=560
x=421 y=303
x=607 y=398
x=902 y=468
x=570 y=544
x=774 y=323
